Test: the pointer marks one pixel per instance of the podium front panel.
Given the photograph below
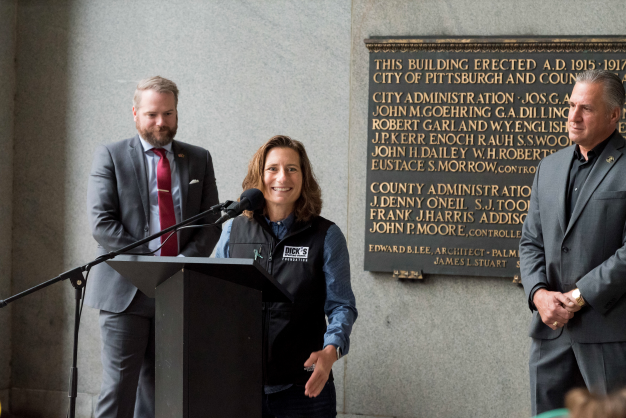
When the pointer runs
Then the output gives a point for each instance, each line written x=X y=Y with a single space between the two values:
x=209 y=348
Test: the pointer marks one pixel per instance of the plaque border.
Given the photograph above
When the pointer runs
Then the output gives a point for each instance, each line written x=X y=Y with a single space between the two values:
x=496 y=44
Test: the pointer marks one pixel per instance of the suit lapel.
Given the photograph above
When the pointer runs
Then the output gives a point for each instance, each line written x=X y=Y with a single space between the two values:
x=560 y=180
x=139 y=164
x=182 y=166
x=603 y=165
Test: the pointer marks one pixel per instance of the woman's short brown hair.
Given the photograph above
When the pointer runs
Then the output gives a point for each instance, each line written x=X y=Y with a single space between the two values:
x=309 y=204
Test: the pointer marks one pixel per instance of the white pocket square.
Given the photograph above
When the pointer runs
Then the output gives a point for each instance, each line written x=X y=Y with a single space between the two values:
x=194 y=181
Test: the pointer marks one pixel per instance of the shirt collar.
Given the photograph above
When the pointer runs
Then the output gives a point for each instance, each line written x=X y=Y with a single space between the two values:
x=147 y=147
x=592 y=154
x=287 y=222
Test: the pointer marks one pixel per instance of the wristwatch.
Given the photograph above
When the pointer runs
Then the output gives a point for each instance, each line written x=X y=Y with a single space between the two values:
x=579 y=298
x=339 y=355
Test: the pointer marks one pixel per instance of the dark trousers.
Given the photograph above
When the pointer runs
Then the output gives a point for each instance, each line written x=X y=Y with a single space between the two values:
x=558 y=365
x=128 y=361
x=292 y=403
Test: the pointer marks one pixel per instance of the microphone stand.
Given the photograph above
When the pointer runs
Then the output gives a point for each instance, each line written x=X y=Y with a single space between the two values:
x=78 y=282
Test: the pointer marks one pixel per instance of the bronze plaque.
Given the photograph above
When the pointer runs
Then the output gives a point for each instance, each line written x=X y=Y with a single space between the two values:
x=456 y=128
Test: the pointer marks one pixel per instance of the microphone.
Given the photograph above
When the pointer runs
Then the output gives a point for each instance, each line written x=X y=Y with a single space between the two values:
x=251 y=199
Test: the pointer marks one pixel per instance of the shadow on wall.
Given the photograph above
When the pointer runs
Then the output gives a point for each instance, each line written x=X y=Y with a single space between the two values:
x=43 y=321
x=7 y=98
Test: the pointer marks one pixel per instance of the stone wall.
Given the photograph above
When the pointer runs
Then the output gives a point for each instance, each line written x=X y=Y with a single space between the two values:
x=246 y=71
x=450 y=346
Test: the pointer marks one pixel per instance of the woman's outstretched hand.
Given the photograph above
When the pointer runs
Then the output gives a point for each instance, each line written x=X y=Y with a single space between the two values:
x=323 y=361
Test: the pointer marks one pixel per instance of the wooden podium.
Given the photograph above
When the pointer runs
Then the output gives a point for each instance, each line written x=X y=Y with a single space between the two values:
x=208 y=330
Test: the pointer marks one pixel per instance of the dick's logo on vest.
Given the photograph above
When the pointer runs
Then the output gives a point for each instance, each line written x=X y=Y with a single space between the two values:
x=296 y=253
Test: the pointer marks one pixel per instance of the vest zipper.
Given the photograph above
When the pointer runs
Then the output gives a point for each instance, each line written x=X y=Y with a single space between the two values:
x=269 y=259
x=266 y=316
x=272 y=248
x=266 y=306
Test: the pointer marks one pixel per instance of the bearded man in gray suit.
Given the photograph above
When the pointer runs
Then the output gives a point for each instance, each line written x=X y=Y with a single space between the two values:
x=138 y=187
x=573 y=251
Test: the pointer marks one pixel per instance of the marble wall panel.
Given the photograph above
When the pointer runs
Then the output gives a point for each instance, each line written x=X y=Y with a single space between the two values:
x=246 y=71
x=448 y=346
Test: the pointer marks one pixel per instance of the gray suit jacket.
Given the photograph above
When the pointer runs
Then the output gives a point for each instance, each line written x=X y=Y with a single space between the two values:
x=589 y=253
x=119 y=211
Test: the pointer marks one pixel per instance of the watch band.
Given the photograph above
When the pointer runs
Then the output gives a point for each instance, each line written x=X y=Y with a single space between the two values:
x=579 y=298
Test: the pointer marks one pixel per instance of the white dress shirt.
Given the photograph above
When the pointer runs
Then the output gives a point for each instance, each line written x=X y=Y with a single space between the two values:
x=152 y=160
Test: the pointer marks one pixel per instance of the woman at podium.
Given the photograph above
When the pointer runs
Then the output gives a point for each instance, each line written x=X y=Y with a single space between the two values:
x=308 y=255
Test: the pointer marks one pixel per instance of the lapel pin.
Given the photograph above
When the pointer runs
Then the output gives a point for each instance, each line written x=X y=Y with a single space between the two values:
x=181 y=155
x=610 y=159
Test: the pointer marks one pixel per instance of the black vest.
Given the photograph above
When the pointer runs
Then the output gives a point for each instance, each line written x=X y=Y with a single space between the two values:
x=291 y=332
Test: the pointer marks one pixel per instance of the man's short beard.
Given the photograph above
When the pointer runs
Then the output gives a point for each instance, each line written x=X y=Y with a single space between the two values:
x=166 y=135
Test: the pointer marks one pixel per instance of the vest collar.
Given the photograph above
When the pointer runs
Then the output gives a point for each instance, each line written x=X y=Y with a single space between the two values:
x=296 y=227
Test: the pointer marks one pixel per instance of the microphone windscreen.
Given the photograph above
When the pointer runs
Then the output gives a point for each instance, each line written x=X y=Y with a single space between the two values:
x=255 y=197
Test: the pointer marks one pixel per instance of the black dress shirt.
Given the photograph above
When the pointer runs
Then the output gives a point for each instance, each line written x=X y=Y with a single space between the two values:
x=578 y=173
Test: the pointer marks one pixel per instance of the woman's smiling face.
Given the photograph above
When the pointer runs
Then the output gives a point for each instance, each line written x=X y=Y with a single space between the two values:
x=282 y=177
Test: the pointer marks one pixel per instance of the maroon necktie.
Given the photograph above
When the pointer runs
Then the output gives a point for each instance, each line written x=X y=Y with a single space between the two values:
x=166 y=203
